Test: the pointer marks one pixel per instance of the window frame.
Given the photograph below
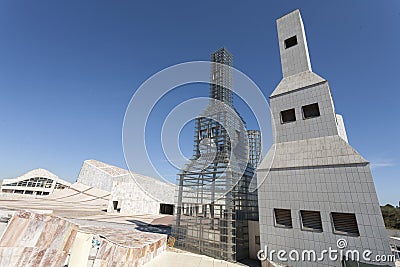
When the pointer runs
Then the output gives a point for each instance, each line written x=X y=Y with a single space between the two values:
x=338 y=232
x=311 y=117
x=281 y=117
x=303 y=228
x=281 y=225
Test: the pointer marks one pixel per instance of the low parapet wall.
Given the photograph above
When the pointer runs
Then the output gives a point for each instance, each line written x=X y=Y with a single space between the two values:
x=32 y=239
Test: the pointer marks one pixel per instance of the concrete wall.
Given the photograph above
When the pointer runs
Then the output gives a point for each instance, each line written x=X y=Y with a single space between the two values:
x=92 y=176
x=393 y=232
x=134 y=193
x=131 y=198
x=254 y=233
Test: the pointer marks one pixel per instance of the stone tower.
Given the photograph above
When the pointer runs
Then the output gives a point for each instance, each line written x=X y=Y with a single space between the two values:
x=314 y=187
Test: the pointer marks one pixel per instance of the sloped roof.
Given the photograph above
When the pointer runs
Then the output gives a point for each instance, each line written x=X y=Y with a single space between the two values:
x=322 y=151
x=156 y=188
x=297 y=81
x=36 y=173
x=107 y=168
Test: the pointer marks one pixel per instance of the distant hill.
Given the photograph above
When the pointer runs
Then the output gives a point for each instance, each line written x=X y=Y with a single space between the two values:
x=391 y=216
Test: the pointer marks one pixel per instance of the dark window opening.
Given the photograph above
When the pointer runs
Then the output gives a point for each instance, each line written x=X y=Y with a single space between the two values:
x=288 y=116
x=166 y=209
x=115 y=206
x=345 y=224
x=283 y=218
x=311 y=220
x=292 y=41
x=257 y=240
x=311 y=111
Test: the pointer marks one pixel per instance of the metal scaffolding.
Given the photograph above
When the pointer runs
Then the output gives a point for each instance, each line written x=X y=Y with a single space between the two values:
x=254 y=137
x=214 y=204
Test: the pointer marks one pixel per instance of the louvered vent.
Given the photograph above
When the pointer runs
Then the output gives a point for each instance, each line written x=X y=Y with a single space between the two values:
x=311 y=220
x=283 y=218
x=345 y=223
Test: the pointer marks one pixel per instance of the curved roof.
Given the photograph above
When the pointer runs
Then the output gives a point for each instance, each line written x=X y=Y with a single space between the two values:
x=36 y=173
x=155 y=188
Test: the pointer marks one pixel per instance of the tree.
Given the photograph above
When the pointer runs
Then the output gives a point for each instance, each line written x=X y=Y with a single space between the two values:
x=391 y=216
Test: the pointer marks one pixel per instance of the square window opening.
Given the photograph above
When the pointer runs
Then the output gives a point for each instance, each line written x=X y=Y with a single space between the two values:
x=288 y=116
x=345 y=224
x=311 y=111
x=283 y=218
x=311 y=220
x=292 y=41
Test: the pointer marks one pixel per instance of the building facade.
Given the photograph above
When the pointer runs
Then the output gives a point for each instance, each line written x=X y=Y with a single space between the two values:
x=131 y=193
x=38 y=182
x=214 y=201
x=315 y=191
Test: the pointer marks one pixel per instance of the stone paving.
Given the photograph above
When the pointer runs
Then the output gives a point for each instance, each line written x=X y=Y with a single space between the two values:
x=133 y=240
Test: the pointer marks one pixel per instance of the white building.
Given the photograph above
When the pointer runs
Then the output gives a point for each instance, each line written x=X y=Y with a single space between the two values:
x=316 y=190
x=130 y=192
x=36 y=182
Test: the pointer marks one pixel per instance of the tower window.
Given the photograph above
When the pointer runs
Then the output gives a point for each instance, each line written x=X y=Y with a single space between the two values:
x=292 y=41
x=283 y=218
x=311 y=111
x=288 y=116
x=311 y=220
x=345 y=224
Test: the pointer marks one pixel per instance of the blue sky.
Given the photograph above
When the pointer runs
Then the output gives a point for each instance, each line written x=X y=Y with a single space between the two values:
x=68 y=70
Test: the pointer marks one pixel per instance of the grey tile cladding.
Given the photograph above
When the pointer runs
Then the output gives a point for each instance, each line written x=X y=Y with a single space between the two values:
x=311 y=166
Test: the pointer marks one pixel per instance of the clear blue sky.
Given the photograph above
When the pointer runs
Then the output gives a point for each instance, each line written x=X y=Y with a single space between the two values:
x=69 y=68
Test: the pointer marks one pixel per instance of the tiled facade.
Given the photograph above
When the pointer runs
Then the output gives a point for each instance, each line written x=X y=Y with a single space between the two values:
x=311 y=167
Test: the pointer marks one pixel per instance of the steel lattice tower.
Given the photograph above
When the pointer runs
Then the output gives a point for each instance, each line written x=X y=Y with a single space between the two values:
x=213 y=199
x=254 y=137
